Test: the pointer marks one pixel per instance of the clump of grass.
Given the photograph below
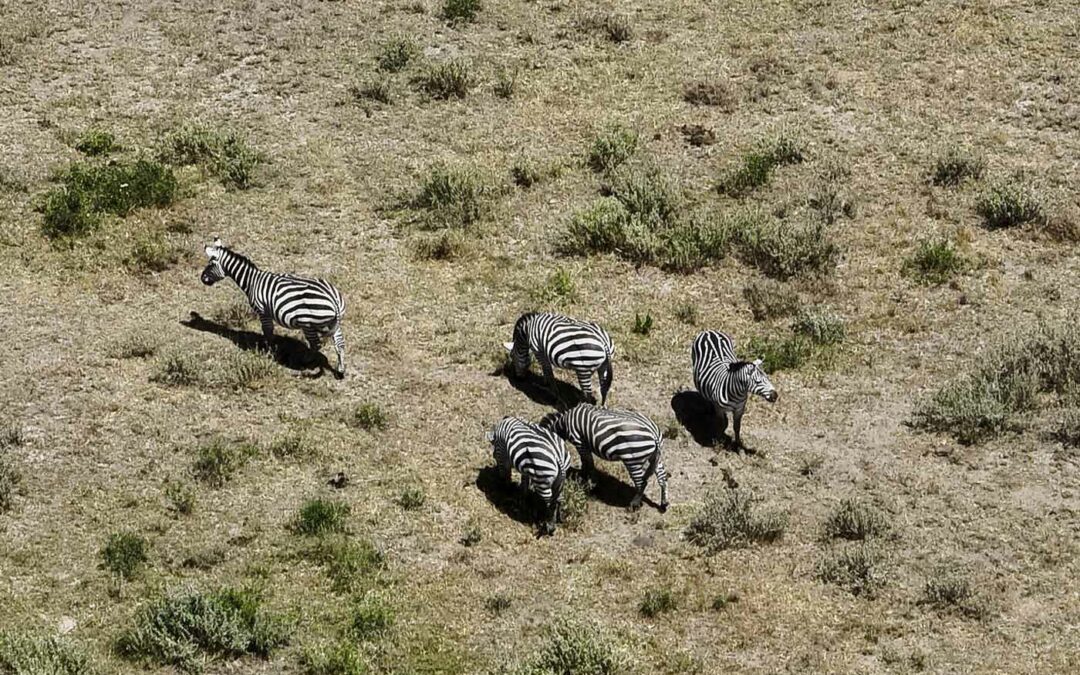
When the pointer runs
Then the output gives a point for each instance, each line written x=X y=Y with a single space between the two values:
x=757 y=166
x=412 y=498
x=559 y=288
x=821 y=328
x=378 y=90
x=687 y=314
x=9 y=483
x=855 y=568
x=574 y=507
x=296 y=445
x=810 y=465
x=724 y=600
x=611 y=148
x=461 y=11
x=369 y=417
x=473 y=534
x=710 y=93
x=89 y=190
x=657 y=601
x=351 y=564
x=949 y=590
x=574 y=647
x=137 y=346
x=728 y=519
x=396 y=53
x=442 y=245
x=770 y=300
x=96 y=142
x=443 y=81
x=25 y=654
x=341 y=658
x=247 y=369
x=505 y=84
x=453 y=197
x=152 y=252
x=372 y=616
x=614 y=27
x=855 y=521
x=783 y=250
x=224 y=154
x=189 y=630
x=956 y=166
x=526 y=173
x=1009 y=204
x=780 y=353
x=181 y=498
x=124 y=554
x=1008 y=380
x=1067 y=432
x=935 y=261
x=318 y=517
x=642 y=324
x=177 y=369
x=497 y=604
x=217 y=461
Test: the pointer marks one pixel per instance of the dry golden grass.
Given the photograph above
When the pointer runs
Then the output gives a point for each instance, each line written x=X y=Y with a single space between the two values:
x=880 y=89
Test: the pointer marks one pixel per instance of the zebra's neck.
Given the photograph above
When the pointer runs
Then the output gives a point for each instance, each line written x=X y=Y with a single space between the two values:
x=241 y=270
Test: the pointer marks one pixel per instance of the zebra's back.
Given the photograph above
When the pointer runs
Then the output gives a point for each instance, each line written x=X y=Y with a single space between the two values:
x=619 y=435
x=568 y=343
x=299 y=302
x=533 y=450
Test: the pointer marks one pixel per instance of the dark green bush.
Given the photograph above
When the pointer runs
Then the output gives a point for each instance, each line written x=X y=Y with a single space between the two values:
x=758 y=165
x=612 y=147
x=320 y=516
x=124 y=554
x=1009 y=204
x=783 y=250
x=95 y=142
x=224 y=154
x=657 y=601
x=461 y=11
x=935 y=261
x=956 y=166
x=453 y=197
x=217 y=461
x=396 y=53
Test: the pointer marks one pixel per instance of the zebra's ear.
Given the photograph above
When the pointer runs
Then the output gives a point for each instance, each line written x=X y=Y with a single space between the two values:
x=217 y=242
x=758 y=362
x=490 y=436
x=509 y=346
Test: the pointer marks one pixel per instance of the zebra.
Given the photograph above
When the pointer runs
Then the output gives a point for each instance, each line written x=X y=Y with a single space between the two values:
x=311 y=305
x=567 y=343
x=538 y=455
x=725 y=381
x=615 y=435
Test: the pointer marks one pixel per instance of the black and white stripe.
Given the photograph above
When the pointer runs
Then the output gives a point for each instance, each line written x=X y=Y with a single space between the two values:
x=310 y=305
x=538 y=455
x=725 y=381
x=616 y=435
x=566 y=343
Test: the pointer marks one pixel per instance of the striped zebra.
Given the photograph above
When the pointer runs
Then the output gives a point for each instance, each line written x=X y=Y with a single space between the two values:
x=538 y=455
x=560 y=341
x=615 y=435
x=725 y=381
x=311 y=305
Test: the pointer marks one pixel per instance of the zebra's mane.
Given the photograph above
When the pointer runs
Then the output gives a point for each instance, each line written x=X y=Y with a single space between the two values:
x=243 y=259
x=736 y=366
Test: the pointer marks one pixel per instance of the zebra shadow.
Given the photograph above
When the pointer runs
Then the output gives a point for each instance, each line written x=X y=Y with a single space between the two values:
x=288 y=352
x=699 y=418
x=612 y=491
x=508 y=498
x=564 y=397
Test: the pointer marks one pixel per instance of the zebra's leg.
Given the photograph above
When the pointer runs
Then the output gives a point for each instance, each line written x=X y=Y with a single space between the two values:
x=584 y=378
x=588 y=466
x=721 y=422
x=339 y=345
x=267 y=323
x=661 y=480
x=314 y=341
x=549 y=377
x=738 y=423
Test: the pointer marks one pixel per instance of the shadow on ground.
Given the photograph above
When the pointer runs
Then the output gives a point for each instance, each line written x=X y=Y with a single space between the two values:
x=287 y=351
x=508 y=498
x=613 y=491
x=536 y=389
x=698 y=417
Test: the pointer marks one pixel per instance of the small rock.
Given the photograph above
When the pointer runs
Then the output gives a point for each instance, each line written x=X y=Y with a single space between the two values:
x=67 y=624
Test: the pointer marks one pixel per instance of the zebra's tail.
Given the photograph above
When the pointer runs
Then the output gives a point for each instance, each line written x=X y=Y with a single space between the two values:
x=607 y=374
x=556 y=500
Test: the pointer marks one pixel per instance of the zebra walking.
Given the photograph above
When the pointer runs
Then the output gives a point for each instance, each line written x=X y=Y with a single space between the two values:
x=725 y=381
x=566 y=343
x=540 y=458
x=615 y=435
x=310 y=305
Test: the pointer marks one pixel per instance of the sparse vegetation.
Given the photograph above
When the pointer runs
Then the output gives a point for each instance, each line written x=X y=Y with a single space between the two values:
x=473 y=535
x=461 y=11
x=783 y=250
x=821 y=328
x=574 y=647
x=371 y=616
x=527 y=173
x=217 y=461
x=935 y=261
x=956 y=166
x=1068 y=433
x=369 y=417
x=950 y=590
x=296 y=445
x=181 y=498
x=341 y=658
x=152 y=252
x=443 y=81
x=177 y=369
x=856 y=568
x=612 y=148
x=248 y=368
x=124 y=554
x=190 y=629
x=376 y=89
x=687 y=314
x=711 y=93
x=643 y=324
x=10 y=437
x=724 y=600
x=497 y=604
x=1009 y=204
x=855 y=521
x=657 y=601
x=96 y=142
x=505 y=84
x=396 y=53
x=574 y=507
x=780 y=353
x=453 y=197
x=758 y=165
x=770 y=300
x=559 y=288
x=321 y=516
x=224 y=154
x=442 y=245
x=728 y=519
x=352 y=564
x=614 y=27
x=27 y=654
x=412 y=498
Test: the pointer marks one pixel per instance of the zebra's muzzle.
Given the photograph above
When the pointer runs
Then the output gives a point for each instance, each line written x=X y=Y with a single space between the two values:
x=208 y=279
x=772 y=396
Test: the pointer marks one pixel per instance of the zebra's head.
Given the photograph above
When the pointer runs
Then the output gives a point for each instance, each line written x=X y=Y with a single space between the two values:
x=519 y=348
x=213 y=272
x=760 y=383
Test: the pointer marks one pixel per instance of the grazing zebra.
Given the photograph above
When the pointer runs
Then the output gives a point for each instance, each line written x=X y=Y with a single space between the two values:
x=540 y=458
x=567 y=343
x=725 y=381
x=311 y=305
x=615 y=435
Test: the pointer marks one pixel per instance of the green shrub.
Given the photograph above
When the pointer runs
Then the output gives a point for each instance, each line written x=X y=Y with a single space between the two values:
x=152 y=252
x=854 y=521
x=95 y=142
x=657 y=601
x=181 y=498
x=124 y=554
x=956 y=166
x=783 y=250
x=935 y=261
x=758 y=165
x=296 y=445
x=189 y=630
x=369 y=417
x=25 y=654
x=453 y=197
x=444 y=81
x=412 y=498
x=177 y=369
x=224 y=154
x=505 y=84
x=473 y=535
x=770 y=300
x=574 y=647
x=461 y=11
x=351 y=564
x=780 y=353
x=855 y=568
x=574 y=507
x=559 y=288
x=1009 y=205
x=217 y=461
x=611 y=148
x=950 y=590
x=819 y=327
x=396 y=53
x=642 y=324
x=318 y=517
x=342 y=658
x=728 y=520
x=371 y=617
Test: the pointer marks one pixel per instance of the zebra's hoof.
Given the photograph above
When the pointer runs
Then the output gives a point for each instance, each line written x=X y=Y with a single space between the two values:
x=663 y=508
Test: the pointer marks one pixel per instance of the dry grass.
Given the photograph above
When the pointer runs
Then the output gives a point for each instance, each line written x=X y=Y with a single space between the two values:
x=879 y=90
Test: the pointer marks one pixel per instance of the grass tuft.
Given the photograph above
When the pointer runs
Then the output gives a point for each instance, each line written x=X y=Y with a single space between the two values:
x=558 y=289
x=412 y=498
x=657 y=601
x=611 y=148
x=177 y=369
x=25 y=654
x=821 y=328
x=224 y=154
x=574 y=647
x=318 y=517
x=710 y=93
x=369 y=417
x=377 y=90
x=341 y=658
x=444 y=81
x=461 y=11
x=351 y=564
x=372 y=616
x=787 y=352
x=296 y=446
x=575 y=503
x=452 y=197
x=855 y=568
x=949 y=590
x=497 y=604
x=783 y=250
x=443 y=245
x=935 y=261
x=181 y=498
x=614 y=27
x=757 y=166
x=855 y=521
x=9 y=476
x=770 y=300
x=246 y=369
x=124 y=554
x=505 y=84
x=396 y=53
x=956 y=166
x=95 y=142
x=728 y=520
x=216 y=462
x=643 y=324
x=1009 y=204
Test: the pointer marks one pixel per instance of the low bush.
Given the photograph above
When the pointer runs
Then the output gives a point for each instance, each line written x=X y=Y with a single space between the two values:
x=757 y=166
x=443 y=81
x=95 y=142
x=224 y=154
x=396 y=53
x=320 y=516
x=657 y=601
x=728 y=519
x=26 y=654
x=855 y=521
x=935 y=261
x=124 y=554
x=574 y=647
x=821 y=328
x=453 y=197
x=783 y=250
x=611 y=148
x=1009 y=204
x=217 y=461
x=770 y=300
x=855 y=568
x=956 y=166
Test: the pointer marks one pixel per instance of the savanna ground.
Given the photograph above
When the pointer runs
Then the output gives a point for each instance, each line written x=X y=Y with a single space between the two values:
x=109 y=390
